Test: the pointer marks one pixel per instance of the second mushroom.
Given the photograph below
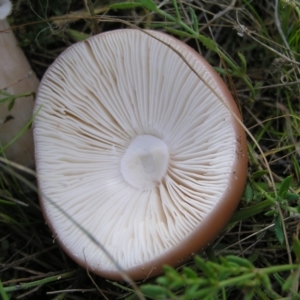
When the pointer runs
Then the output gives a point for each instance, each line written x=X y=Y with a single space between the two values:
x=16 y=80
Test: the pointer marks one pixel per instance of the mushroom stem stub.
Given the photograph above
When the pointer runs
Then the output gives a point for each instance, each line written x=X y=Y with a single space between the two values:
x=17 y=80
x=145 y=162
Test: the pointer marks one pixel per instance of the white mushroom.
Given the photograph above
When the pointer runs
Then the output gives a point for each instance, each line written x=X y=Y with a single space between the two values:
x=16 y=78
x=138 y=150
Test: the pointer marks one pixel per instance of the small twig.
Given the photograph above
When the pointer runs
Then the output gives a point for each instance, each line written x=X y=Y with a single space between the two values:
x=71 y=291
x=219 y=15
x=249 y=236
x=37 y=283
x=92 y=279
x=90 y=7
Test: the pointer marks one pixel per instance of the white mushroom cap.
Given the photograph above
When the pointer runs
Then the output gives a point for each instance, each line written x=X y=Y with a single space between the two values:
x=138 y=150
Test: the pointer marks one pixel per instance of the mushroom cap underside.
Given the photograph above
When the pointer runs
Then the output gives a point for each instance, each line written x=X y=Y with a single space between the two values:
x=140 y=149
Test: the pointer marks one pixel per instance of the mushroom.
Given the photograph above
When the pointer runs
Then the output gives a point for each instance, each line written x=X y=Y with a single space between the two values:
x=147 y=157
x=16 y=78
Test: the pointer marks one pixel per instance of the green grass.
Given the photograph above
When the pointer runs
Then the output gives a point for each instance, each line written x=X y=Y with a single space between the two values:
x=255 y=47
